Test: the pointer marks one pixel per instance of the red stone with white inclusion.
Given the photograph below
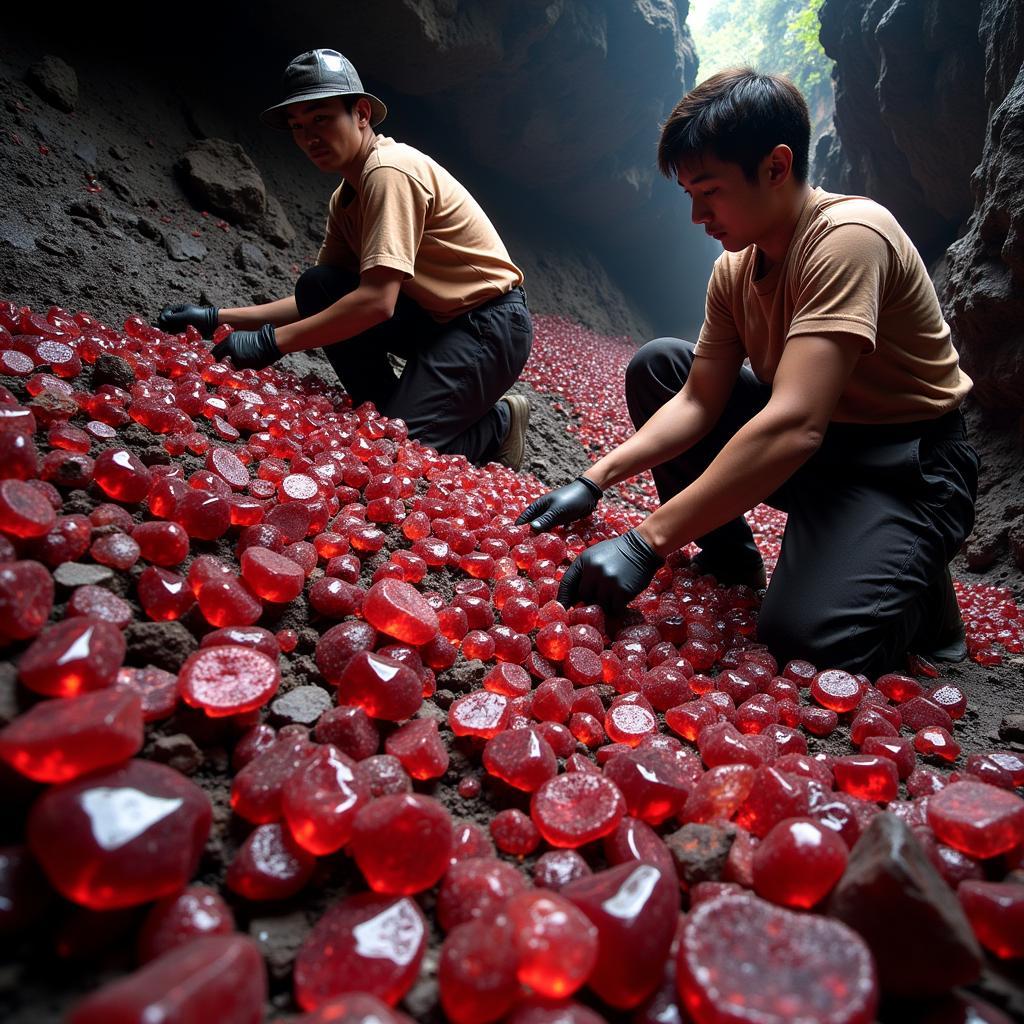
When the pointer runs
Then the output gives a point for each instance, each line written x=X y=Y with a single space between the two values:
x=156 y=688
x=26 y=599
x=24 y=512
x=798 y=863
x=635 y=908
x=256 y=791
x=514 y=832
x=382 y=687
x=400 y=610
x=654 y=783
x=977 y=819
x=555 y=941
x=366 y=943
x=320 y=801
x=269 y=865
x=836 y=690
x=576 y=808
x=480 y=713
x=228 y=680
x=58 y=740
x=162 y=543
x=272 y=576
x=72 y=657
x=418 y=745
x=195 y=913
x=477 y=887
x=520 y=757
x=120 y=837
x=629 y=723
x=804 y=967
x=164 y=595
x=402 y=843
x=217 y=978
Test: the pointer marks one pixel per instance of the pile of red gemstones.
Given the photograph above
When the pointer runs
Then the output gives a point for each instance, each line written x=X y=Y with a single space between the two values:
x=618 y=773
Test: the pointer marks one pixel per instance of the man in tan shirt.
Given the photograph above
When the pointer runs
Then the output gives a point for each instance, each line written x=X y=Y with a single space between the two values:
x=847 y=416
x=410 y=265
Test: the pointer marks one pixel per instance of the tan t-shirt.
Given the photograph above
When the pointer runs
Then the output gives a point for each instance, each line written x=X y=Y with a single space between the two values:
x=850 y=268
x=410 y=214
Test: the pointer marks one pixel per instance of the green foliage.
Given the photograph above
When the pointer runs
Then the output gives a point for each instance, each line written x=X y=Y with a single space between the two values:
x=777 y=36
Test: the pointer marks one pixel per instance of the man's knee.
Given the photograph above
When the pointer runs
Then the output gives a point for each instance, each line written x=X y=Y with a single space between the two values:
x=657 y=371
x=321 y=286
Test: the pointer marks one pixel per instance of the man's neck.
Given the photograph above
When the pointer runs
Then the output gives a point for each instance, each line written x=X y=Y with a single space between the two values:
x=353 y=170
x=773 y=247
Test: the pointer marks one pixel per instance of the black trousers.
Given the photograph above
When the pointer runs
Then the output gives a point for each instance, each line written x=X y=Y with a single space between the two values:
x=454 y=373
x=875 y=516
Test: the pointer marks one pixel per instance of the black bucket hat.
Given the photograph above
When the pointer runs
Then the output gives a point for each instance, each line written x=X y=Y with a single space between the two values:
x=318 y=75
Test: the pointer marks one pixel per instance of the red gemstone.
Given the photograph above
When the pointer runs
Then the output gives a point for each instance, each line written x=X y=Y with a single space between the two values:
x=514 y=832
x=576 y=808
x=520 y=757
x=350 y=730
x=269 y=865
x=120 y=837
x=557 y=868
x=164 y=595
x=228 y=601
x=157 y=689
x=654 y=783
x=836 y=690
x=996 y=913
x=795 y=966
x=228 y=680
x=977 y=819
x=195 y=913
x=202 y=514
x=418 y=745
x=320 y=801
x=256 y=791
x=99 y=603
x=59 y=740
x=117 y=550
x=73 y=656
x=934 y=741
x=382 y=687
x=480 y=713
x=867 y=776
x=402 y=843
x=26 y=599
x=477 y=971
x=366 y=943
x=629 y=723
x=399 y=609
x=798 y=862
x=163 y=544
x=24 y=512
x=477 y=887
x=121 y=475
x=272 y=576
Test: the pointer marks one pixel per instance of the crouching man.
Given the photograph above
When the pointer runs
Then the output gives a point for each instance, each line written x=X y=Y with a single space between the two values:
x=847 y=417
x=410 y=265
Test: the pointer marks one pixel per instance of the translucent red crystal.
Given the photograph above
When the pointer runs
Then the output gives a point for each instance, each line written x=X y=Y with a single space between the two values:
x=576 y=808
x=196 y=912
x=477 y=887
x=477 y=971
x=398 y=609
x=381 y=686
x=228 y=680
x=320 y=801
x=72 y=657
x=26 y=599
x=798 y=862
x=122 y=475
x=520 y=757
x=24 y=512
x=996 y=913
x=269 y=865
x=977 y=819
x=418 y=745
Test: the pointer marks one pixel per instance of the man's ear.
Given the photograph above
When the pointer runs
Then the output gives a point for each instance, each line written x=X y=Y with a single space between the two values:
x=363 y=111
x=779 y=164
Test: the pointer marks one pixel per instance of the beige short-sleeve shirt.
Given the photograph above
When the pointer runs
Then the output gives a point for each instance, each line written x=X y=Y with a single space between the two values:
x=850 y=268
x=410 y=214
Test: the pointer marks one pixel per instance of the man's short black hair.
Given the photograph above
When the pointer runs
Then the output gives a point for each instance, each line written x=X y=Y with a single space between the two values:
x=740 y=116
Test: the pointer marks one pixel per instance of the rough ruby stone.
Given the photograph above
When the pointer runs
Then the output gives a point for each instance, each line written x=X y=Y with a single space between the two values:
x=381 y=686
x=934 y=741
x=120 y=837
x=253 y=742
x=719 y=793
x=350 y=730
x=228 y=680
x=583 y=666
x=59 y=740
x=577 y=808
x=164 y=595
x=919 y=712
x=689 y=720
x=554 y=641
x=99 y=603
x=634 y=908
x=951 y=698
x=18 y=455
x=555 y=942
x=72 y=657
x=163 y=544
x=868 y=723
x=629 y=723
x=723 y=743
x=271 y=576
x=418 y=745
x=228 y=601
x=996 y=913
x=480 y=713
x=202 y=514
x=514 y=832
x=478 y=887
x=773 y=796
x=122 y=475
x=520 y=757
x=24 y=512
x=117 y=550
x=26 y=599
x=634 y=840
x=557 y=868
x=156 y=688
x=477 y=972
x=366 y=943
x=196 y=912
x=899 y=749
x=977 y=819
x=217 y=978
x=798 y=862
x=402 y=843
x=470 y=841
x=269 y=865
x=796 y=966
x=653 y=783
x=867 y=776
x=255 y=637
x=819 y=721
x=835 y=689
x=339 y=644
x=552 y=700
x=898 y=688
x=67 y=469
x=256 y=790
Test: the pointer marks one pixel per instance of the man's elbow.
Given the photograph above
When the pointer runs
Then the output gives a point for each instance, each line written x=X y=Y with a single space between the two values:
x=381 y=307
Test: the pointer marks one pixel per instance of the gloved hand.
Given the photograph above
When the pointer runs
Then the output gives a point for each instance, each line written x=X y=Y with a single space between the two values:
x=249 y=350
x=562 y=506
x=174 y=319
x=611 y=573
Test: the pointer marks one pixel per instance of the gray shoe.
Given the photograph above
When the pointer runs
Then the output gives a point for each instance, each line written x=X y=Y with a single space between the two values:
x=514 y=445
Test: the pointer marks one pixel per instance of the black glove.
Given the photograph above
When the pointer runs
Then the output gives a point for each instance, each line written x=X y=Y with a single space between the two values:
x=562 y=506
x=249 y=350
x=174 y=319
x=611 y=573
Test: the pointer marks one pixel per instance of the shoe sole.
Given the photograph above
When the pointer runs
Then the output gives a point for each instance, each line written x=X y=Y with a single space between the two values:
x=514 y=446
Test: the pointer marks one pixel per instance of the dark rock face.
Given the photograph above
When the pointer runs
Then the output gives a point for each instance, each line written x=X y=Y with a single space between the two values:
x=985 y=279
x=920 y=937
x=55 y=81
x=221 y=177
x=909 y=109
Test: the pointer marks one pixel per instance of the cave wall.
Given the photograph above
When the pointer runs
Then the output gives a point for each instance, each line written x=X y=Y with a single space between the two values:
x=929 y=109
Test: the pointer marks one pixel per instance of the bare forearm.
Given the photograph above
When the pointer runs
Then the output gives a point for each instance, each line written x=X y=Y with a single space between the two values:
x=352 y=314
x=280 y=312
x=757 y=460
x=677 y=426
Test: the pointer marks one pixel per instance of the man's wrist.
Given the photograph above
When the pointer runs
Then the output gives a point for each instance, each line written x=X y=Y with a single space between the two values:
x=656 y=536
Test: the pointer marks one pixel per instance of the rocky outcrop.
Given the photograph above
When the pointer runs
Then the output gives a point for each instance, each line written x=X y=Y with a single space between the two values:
x=55 y=80
x=910 y=111
x=984 y=288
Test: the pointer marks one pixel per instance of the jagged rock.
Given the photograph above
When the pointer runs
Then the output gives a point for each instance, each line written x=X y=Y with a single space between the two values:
x=179 y=751
x=302 y=706
x=163 y=644
x=1011 y=729
x=912 y=921
x=219 y=176
x=700 y=852
x=1016 y=540
x=55 y=81
x=114 y=370
x=249 y=257
x=275 y=226
x=981 y=550
x=183 y=247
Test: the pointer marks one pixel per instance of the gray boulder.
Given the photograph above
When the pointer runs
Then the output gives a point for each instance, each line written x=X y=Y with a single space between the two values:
x=219 y=176
x=55 y=81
